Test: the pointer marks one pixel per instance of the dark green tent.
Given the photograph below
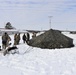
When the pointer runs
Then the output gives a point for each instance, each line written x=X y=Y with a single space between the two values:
x=51 y=39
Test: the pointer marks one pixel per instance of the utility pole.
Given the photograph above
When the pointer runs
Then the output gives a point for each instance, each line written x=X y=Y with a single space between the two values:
x=50 y=21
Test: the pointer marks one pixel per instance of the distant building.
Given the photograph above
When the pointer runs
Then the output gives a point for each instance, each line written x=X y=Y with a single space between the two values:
x=9 y=26
x=12 y=31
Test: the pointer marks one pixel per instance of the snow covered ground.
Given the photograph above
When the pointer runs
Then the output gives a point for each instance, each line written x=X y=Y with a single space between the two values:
x=36 y=61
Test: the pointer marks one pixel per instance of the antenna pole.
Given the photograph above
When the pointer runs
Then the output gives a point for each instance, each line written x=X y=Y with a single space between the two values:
x=50 y=21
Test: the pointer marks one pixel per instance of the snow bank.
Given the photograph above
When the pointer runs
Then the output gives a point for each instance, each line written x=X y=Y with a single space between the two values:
x=36 y=61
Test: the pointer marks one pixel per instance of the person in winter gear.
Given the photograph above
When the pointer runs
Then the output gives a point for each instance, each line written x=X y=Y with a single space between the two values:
x=24 y=38
x=18 y=38
x=5 y=40
x=15 y=39
x=34 y=35
x=9 y=39
x=28 y=38
x=0 y=48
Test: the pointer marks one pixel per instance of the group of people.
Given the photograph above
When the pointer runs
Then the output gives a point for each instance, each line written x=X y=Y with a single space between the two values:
x=26 y=38
x=6 y=38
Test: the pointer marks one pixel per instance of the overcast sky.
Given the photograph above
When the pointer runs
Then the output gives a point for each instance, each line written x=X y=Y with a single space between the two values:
x=34 y=14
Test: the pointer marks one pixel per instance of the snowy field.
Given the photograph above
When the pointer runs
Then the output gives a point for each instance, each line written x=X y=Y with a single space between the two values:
x=36 y=61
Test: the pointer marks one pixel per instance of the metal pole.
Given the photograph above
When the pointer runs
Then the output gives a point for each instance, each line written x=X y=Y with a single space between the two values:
x=50 y=21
